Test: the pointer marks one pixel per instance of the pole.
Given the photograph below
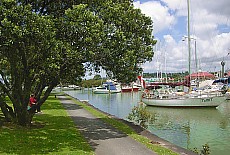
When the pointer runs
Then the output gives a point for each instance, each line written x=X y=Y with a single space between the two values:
x=157 y=60
x=196 y=56
x=165 y=69
x=197 y=80
x=222 y=72
x=189 y=40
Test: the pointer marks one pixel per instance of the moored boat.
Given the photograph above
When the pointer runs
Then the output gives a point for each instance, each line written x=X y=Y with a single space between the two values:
x=134 y=87
x=126 y=89
x=227 y=95
x=168 y=98
x=71 y=87
x=130 y=89
x=107 y=88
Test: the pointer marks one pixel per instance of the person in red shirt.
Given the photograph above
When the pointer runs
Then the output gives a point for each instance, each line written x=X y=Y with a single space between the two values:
x=32 y=104
x=33 y=100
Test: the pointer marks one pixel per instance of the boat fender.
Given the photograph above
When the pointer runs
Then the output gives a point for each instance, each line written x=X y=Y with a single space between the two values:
x=143 y=95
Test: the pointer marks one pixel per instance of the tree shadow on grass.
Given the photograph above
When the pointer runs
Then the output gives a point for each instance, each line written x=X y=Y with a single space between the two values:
x=57 y=134
x=1 y=121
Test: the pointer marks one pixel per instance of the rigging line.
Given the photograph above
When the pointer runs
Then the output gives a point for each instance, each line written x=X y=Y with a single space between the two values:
x=194 y=51
x=211 y=35
x=195 y=42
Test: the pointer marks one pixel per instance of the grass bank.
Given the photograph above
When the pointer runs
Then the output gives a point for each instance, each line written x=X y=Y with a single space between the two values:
x=52 y=133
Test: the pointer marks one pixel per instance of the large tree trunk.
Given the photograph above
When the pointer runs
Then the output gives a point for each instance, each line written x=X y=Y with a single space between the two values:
x=24 y=118
x=18 y=114
x=45 y=96
x=7 y=111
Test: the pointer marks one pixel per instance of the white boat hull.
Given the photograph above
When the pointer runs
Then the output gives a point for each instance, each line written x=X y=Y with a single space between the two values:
x=185 y=102
x=106 y=91
x=227 y=95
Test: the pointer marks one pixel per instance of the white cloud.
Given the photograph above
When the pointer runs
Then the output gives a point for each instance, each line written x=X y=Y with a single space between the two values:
x=159 y=14
x=180 y=5
x=215 y=7
x=205 y=23
x=210 y=25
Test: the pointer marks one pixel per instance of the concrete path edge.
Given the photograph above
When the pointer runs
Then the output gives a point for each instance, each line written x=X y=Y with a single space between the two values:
x=141 y=131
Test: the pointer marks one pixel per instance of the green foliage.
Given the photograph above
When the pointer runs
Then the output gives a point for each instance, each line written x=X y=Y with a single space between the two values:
x=128 y=42
x=205 y=150
x=97 y=77
x=25 y=39
x=44 y=43
x=141 y=116
x=92 y=83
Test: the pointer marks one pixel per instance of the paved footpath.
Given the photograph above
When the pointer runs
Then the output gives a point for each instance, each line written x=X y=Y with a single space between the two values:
x=104 y=138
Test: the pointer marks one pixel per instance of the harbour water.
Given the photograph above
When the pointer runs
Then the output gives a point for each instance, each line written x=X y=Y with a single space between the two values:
x=186 y=127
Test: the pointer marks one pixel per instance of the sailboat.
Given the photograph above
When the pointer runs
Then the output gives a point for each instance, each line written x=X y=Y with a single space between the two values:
x=227 y=94
x=165 y=97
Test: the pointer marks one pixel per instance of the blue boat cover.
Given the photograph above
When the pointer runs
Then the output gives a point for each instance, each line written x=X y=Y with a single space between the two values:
x=110 y=86
x=223 y=80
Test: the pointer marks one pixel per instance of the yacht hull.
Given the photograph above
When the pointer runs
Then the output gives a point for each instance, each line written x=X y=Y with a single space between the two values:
x=185 y=102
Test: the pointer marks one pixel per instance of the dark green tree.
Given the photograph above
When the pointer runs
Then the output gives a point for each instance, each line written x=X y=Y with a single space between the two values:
x=43 y=43
x=97 y=77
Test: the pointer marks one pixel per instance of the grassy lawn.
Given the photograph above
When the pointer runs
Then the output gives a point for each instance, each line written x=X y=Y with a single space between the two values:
x=52 y=133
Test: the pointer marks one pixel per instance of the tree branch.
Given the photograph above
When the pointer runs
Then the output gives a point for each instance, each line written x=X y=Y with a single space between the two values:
x=5 y=80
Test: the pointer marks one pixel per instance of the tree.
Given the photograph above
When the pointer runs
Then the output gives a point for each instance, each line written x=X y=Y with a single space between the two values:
x=44 y=43
x=128 y=41
x=25 y=36
x=97 y=77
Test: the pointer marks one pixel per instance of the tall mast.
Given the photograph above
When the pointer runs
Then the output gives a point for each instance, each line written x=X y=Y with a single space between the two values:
x=157 y=61
x=189 y=40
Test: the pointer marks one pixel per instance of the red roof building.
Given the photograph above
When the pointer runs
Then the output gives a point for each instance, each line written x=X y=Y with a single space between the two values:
x=201 y=75
x=229 y=73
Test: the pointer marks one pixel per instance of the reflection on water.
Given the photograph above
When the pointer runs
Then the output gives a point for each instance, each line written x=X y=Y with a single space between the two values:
x=119 y=104
x=194 y=127
x=188 y=128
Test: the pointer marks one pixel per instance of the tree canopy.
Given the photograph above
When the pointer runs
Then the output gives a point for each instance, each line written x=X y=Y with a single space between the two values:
x=43 y=43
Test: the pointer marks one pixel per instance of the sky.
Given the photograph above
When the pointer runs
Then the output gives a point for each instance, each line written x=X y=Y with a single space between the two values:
x=209 y=30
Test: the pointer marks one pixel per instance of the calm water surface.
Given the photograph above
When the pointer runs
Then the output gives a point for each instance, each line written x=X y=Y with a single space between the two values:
x=188 y=128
